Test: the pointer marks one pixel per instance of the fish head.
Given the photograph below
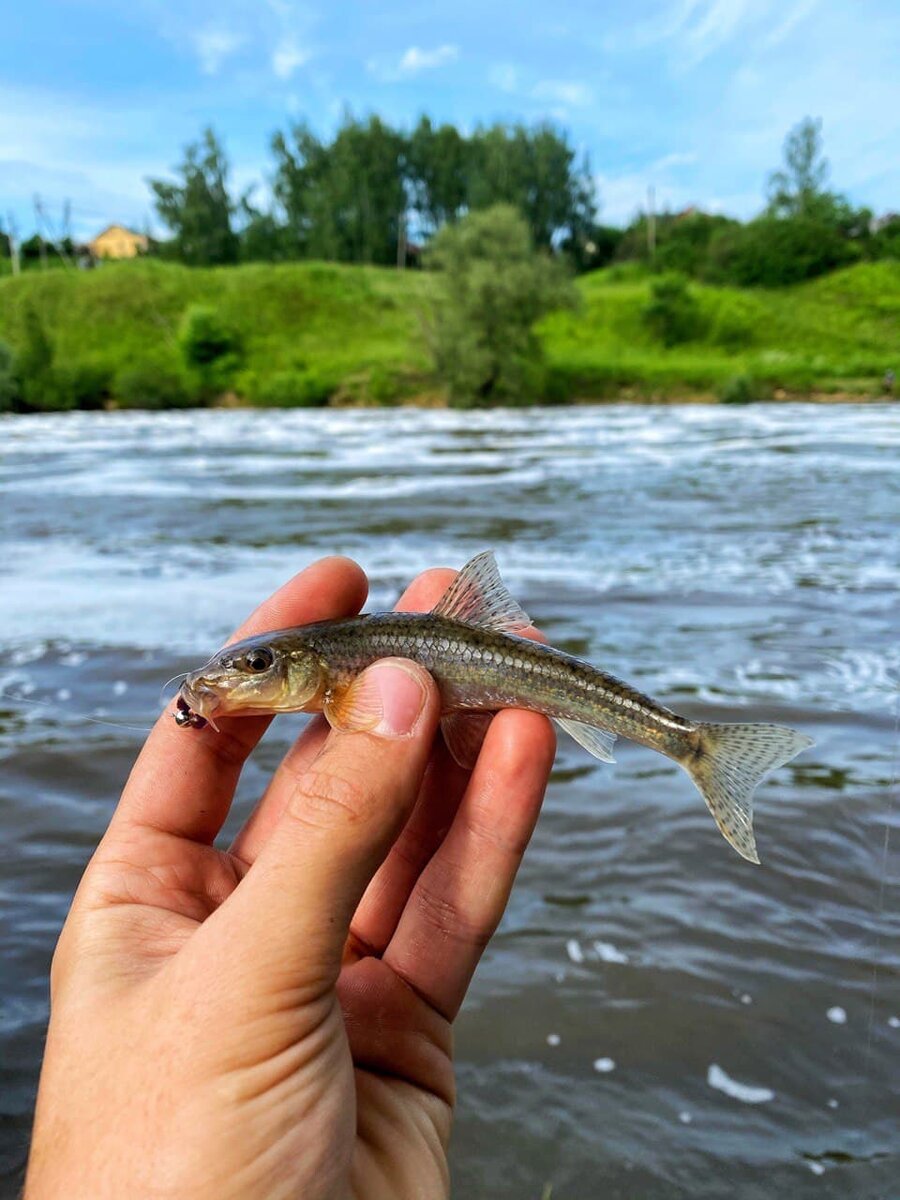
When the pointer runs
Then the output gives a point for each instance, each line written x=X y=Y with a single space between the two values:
x=258 y=676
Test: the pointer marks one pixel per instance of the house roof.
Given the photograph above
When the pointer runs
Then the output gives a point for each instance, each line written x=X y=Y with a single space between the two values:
x=117 y=228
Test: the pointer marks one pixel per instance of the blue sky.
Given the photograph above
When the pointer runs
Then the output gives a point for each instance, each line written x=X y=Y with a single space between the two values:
x=691 y=96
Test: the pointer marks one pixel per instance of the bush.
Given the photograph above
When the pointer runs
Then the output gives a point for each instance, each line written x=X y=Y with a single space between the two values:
x=210 y=347
x=34 y=361
x=152 y=384
x=742 y=389
x=491 y=289
x=673 y=314
x=775 y=251
x=86 y=385
x=290 y=389
x=9 y=386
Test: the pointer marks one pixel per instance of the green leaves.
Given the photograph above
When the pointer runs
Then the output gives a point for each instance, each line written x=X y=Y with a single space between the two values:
x=492 y=287
x=199 y=209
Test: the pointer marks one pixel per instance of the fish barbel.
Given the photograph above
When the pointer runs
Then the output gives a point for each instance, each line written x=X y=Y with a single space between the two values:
x=471 y=644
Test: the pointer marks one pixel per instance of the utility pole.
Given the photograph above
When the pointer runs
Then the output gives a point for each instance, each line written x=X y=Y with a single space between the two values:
x=651 y=224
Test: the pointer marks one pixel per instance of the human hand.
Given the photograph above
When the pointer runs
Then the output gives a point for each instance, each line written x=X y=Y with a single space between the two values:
x=275 y=1019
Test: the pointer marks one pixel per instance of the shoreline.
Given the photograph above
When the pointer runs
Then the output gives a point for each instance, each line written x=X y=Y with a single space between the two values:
x=426 y=401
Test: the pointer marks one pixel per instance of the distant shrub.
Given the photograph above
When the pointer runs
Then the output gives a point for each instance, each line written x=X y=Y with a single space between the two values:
x=775 y=251
x=210 y=347
x=9 y=386
x=83 y=385
x=152 y=384
x=204 y=337
x=34 y=361
x=673 y=314
x=290 y=389
x=742 y=389
x=491 y=288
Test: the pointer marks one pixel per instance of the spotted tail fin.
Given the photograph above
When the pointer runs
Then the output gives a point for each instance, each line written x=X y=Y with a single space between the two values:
x=730 y=762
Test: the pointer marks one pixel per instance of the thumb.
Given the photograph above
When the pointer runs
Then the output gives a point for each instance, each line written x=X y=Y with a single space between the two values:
x=344 y=812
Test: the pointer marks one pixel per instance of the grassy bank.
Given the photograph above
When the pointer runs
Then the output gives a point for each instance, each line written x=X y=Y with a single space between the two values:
x=355 y=334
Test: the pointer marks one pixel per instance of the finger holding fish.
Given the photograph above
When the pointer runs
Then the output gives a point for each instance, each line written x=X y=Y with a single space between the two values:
x=176 y=768
x=424 y=591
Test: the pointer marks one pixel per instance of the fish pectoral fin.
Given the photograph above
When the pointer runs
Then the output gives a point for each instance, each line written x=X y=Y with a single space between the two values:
x=478 y=596
x=463 y=733
x=598 y=742
x=366 y=701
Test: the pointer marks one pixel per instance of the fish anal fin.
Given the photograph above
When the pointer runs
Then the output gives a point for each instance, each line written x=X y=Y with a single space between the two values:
x=464 y=733
x=478 y=596
x=598 y=742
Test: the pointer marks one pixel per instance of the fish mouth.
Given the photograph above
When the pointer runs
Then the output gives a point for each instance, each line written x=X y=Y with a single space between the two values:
x=196 y=706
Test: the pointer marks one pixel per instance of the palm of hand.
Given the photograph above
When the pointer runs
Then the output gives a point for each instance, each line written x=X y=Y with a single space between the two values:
x=380 y=1049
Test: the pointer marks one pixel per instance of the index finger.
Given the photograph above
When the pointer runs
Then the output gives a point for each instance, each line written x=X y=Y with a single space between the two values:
x=183 y=781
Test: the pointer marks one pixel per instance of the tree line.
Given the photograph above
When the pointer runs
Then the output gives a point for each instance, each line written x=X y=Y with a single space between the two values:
x=374 y=194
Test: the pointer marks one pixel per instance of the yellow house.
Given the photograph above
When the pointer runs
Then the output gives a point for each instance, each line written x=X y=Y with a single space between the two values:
x=118 y=242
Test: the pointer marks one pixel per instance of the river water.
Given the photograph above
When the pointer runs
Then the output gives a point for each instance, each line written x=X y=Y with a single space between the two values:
x=655 y=1018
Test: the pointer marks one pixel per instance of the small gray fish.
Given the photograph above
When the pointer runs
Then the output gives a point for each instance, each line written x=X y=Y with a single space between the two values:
x=471 y=644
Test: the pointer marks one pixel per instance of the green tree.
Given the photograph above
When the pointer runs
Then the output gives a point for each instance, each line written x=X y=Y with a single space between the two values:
x=438 y=169
x=798 y=187
x=263 y=238
x=682 y=240
x=886 y=239
x=492 y=286
x=775 y=251
x=345 y=200
x=199 y=209
x=535 y=171
x=673 y=314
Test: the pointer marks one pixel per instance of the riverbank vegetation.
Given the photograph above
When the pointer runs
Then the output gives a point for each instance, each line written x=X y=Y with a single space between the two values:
x=298 y=305
x=149 y=333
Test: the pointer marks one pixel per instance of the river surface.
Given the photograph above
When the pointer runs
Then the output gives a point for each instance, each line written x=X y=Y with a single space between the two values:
x=656 y=1018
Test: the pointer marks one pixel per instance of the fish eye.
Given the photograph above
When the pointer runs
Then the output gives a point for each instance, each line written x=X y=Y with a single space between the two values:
x=259 y=659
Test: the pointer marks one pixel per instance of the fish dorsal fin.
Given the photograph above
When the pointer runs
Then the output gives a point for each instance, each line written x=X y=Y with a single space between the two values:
x=478 y=596
x=463 y=734
x=598 y=742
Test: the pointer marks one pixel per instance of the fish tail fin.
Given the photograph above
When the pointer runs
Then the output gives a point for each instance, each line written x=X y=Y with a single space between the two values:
x=728 y=763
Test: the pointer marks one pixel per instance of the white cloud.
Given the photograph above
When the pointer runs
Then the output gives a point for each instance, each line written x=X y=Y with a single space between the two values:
x=676 y=159
x=575 y=95
x=287 y=57
x=415 y=59
x=504 y=76
x=213 y=45
x=717 y=25
x=793 y=18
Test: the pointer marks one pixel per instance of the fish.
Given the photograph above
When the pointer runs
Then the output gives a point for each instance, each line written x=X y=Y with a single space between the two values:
x=472 y=643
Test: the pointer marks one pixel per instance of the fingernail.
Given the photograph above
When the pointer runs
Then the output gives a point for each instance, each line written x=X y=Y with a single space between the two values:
x=387 y=699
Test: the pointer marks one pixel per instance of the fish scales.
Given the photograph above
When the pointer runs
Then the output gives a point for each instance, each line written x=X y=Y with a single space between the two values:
x=471 y=644
x=482 y=670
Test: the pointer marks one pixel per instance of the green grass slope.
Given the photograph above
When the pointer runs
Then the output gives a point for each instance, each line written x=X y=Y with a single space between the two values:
x=358 y=330
x=837 y=333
